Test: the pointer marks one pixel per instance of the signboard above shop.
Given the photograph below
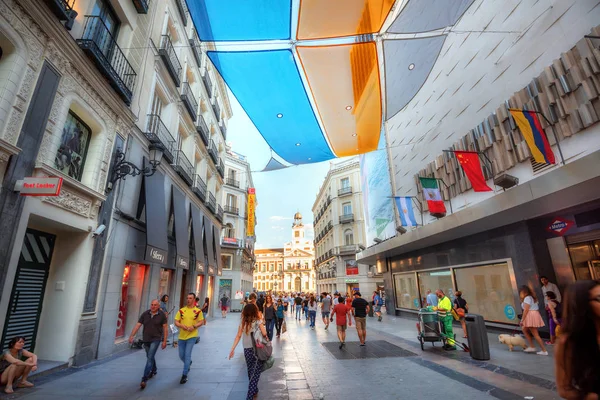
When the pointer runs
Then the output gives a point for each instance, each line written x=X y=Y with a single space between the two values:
x=559 y=226
x=49 y=186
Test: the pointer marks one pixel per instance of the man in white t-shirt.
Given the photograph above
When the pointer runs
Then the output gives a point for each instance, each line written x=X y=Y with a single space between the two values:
x=547 y=286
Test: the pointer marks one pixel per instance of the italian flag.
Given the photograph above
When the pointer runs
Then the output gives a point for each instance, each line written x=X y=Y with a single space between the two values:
x=431 y=192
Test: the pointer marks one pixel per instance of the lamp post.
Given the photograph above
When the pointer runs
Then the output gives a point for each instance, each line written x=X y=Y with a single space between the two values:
x=122 y=168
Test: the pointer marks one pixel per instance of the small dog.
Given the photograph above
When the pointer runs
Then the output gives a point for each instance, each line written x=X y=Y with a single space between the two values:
x=512 y=341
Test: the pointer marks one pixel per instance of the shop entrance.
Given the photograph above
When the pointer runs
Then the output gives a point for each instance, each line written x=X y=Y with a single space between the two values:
x=209 y=291
x=25 y=306
x=130 y=299
x=585 y=255
x=298 y=284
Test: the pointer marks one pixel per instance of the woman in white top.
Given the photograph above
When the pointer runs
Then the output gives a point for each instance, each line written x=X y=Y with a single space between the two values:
x=251 y=321
x=312 y=310
x=531 y=320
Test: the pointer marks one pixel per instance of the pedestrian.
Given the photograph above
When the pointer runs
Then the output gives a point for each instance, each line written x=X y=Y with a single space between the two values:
x=336 y=298
x=12 y=366
x=224 y=305
x=548 y=286
x=269 y=313
x=360 y=309
x=341 y=313
x=577 y=359
x=461 y=307
x=431 y=299
x=260 y=302
x=444 y=307
x=155 y=324
x=205 y=307
x=305 y=307
x=298 y=303
x=312 y=310
x=164 y=300
x=252 y=298
x=348 y=302
x=279 y=316
x=285 y=301
x=377 y=303
x=554 y=309
x=531 y=320
x=188 y=319
x=325 y=309
x=251 y=322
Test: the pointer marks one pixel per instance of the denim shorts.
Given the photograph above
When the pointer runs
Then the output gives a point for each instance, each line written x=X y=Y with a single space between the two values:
x=325 y=314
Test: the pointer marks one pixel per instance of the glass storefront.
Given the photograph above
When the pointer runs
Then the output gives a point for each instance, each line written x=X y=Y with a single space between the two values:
x=407 y=294
x=165 y=282
x=434 y=280
x=129 y=302
x=585 y=259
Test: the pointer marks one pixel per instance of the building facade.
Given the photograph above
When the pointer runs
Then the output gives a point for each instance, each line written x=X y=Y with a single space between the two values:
x=287 y=269
x=540 y=218
x=89 y=88
x=340 y=232
x=237 y=244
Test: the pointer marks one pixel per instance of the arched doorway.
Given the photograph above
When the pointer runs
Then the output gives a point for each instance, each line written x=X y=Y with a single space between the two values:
x=298 y=284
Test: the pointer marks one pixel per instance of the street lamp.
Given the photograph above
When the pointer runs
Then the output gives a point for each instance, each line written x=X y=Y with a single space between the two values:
x=123 y=168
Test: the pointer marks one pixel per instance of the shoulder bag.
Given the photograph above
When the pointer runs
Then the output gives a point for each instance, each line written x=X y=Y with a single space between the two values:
x=262 y=347
x=283 y=327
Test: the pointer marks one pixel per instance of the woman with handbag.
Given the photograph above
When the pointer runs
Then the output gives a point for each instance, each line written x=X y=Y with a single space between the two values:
x=462 y=308
x=250 y=325
x=269 y=314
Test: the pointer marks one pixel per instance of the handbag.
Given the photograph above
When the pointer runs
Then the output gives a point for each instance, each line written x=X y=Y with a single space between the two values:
x=262 y=347
x=269 y=363
x=283 y=327
x=461 y=312
x=454 y=314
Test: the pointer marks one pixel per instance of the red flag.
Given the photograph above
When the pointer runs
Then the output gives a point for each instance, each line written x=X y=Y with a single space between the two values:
x=470 y=164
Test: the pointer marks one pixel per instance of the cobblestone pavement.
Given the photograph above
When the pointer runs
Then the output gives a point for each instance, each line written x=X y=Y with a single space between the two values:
x=305 y=369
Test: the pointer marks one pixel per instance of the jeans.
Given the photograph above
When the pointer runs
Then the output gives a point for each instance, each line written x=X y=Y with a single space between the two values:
x=151 y=348
x=306 y=312
x=185 y=353
x=313 y=316
x=270 y=324
x=298 y=310
x=278 y=323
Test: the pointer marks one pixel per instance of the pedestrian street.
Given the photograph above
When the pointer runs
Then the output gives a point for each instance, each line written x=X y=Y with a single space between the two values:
x=309 y=365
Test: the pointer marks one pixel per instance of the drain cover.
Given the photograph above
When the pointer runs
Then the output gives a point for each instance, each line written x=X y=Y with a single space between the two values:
x=373 y=349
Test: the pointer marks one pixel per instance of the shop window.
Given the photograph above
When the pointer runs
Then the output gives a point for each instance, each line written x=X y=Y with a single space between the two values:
x=488 y=291
x=129 y=303
x=165 y=282
x=434 y=280
x=226 y=261
x=407 y=294
x=71 y=155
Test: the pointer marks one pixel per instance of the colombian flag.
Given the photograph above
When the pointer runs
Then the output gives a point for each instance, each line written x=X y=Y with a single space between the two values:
x=534 y=135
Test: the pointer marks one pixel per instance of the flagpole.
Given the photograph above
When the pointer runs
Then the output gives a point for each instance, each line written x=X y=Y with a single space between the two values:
x=562 y=159
x=420 y=208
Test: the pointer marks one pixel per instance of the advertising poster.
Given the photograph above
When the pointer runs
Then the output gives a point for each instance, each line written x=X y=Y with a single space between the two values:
x=351 y=267
x=251 y=211
x=377 y=192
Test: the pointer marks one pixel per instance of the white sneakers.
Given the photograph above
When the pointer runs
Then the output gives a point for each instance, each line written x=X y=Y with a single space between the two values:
x=534 y=350
x=542 y=353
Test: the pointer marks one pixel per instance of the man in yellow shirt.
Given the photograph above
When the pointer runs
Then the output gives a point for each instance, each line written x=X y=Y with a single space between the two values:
x=444 y=308
x=188 y=319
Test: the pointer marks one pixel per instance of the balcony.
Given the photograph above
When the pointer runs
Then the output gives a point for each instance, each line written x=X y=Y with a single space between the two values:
x=232 y=182
x=223 y=129
x=169 y=57
x=232 y=210
x=158 y=133
x=348 y=249
x=217 y=110
x=199 y=188
x=345 y=191
x=141 y=6
x=98 y=43
x=346 y=218
x=212 y=151
x=195 y=45
x=190 y=102
x=184 y=167
x=61 y=8
x=211 y=203
x=219 y=213
x=207 y=83
x=231 y=242
x=182 y=7
x=221 y=168
x=202 y=130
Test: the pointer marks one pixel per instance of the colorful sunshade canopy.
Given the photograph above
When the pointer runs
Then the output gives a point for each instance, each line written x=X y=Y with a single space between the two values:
x=307 y=72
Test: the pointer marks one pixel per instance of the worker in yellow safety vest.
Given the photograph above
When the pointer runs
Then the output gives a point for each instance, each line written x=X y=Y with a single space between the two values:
x=444 y=308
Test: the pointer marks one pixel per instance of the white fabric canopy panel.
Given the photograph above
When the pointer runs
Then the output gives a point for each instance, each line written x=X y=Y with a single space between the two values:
x=429 y=15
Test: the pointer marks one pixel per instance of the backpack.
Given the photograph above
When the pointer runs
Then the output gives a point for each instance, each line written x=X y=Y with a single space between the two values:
x=378 y=301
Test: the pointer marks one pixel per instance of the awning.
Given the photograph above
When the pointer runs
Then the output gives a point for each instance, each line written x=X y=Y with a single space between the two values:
x=217 y=241
x=181 y=229
x=210 y=247
x=198 y=227
x=157 y=244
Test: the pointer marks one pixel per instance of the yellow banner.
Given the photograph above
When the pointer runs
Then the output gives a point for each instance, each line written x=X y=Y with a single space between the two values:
x=251 y=210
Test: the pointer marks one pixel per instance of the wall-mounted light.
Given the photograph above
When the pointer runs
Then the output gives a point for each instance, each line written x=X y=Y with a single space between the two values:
x=123 y=168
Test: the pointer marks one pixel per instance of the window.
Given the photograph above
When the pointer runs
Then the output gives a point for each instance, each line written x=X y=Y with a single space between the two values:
x=434 y=280
x=297 y=234
x=345 y=182
x=288 y=265
x=231 y=174
x=407 y=295
x=271 y=267
x=348 y=237
x=289 y=285
x=71 y=155
x=226 y=261
x=347 y=208
x=306 y=285
x=280 y=267
x=231 y=201
x=229 y=231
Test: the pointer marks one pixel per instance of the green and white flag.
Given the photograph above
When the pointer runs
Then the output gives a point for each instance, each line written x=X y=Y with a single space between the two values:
x=431 y=192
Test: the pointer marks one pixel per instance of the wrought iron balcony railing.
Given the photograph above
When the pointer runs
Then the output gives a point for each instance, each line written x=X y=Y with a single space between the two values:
x=348 y=249
x=189 y=100
x=346 y=218
x=207 y=83
x=344 y=191
x=223 y=130
x=232 y=210
x=232 y=182
x=99 y=44
x=142 y=6
x=199 y=188
x=169 y=57
x=61 y=8
x=182 y=7
x=212 y=151
x=211 y=202
x=221 y=168
x=195 y=45
x=184 y=167
x=217 y=110
x=157 y=132
x=202 y=130
x=219 y=213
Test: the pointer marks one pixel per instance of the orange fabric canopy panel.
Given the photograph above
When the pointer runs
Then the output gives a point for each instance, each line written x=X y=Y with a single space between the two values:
x=344 y=81
x=351 y=17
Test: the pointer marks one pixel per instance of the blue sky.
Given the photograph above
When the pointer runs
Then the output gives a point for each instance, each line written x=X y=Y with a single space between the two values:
x=281 y=193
